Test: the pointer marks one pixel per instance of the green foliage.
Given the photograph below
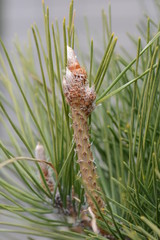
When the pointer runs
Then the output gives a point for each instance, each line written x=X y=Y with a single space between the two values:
x=125 y=131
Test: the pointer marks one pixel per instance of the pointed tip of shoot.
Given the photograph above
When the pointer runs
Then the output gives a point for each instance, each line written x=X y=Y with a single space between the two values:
x=71 y=57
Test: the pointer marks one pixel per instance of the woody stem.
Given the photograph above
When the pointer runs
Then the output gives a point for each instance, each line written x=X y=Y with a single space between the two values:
x=85 y=158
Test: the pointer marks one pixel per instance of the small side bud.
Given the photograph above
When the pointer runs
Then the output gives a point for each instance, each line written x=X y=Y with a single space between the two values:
x=39 y=152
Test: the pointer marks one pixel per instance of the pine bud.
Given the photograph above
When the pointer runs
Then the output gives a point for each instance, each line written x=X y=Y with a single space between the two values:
x=40 y=154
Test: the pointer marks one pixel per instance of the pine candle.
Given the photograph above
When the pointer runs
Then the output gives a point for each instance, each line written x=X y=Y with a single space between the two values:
x=80 y=98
